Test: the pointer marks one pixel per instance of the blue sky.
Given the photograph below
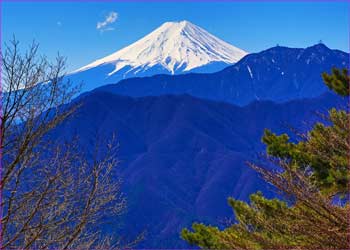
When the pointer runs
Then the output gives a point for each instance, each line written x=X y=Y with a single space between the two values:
x=71 y=28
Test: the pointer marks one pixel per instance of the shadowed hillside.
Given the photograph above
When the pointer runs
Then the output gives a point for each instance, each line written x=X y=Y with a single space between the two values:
x=181 y=157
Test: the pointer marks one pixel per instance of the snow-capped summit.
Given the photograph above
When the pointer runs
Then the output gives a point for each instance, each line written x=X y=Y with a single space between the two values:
x=173 y=48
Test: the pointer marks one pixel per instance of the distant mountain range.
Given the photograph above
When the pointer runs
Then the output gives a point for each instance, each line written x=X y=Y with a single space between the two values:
x=173 y=48
x=181 y=157
x=185 y=137
x=277 y=74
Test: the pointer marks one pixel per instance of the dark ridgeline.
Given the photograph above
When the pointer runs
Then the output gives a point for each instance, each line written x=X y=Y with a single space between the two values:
x=278 y=74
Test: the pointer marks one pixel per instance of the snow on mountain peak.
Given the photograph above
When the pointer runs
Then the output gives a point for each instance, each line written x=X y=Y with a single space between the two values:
x=175 y=46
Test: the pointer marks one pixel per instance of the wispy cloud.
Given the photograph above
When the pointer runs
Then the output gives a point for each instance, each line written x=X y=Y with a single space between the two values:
x=109 y=19
x=59 y=23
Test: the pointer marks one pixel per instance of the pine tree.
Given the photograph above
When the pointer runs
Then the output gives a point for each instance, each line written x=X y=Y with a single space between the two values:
x=315 y=172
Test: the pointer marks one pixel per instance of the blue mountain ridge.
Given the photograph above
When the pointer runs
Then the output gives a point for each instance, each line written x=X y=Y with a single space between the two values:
x=278 y=74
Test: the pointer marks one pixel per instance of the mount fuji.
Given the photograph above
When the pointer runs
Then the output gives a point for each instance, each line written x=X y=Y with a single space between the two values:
x=173 y=48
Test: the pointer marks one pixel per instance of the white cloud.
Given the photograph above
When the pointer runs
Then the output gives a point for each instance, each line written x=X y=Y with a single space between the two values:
x=109 y=19
x=59 y=23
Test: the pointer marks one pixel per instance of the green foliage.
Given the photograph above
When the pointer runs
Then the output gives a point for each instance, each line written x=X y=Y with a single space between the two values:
x=262 y=224
x=316 y=169
x=338 y=81
x=325 y=151
x=203 y=236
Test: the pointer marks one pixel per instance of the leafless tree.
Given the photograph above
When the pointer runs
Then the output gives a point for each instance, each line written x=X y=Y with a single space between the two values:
x=52 y=195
